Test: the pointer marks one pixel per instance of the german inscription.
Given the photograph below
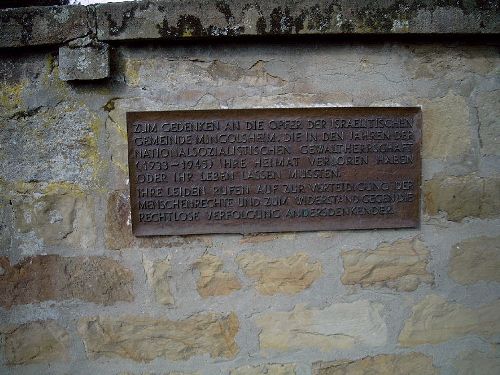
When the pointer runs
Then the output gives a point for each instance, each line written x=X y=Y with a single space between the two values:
x=271 y=170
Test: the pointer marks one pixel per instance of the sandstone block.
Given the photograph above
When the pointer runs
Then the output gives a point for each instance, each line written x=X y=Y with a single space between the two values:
x=118 y=221
x=436 y=320
x=338 y=326
x=58 y=214
x=476 y=259
x=5 y=223
x=286 y=275
x=477 y=363
x=488 y=110
x=36 y=342
x=144 y=338
x=266 y=369
x=157 y=273
x=463 y=196
x=446 y=132
x=213 y=281
x=51 y=277
x=383 y=364
x=401 y=265
x=84 y=63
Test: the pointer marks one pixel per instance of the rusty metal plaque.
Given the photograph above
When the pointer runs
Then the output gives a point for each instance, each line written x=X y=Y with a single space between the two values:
x=273 y=170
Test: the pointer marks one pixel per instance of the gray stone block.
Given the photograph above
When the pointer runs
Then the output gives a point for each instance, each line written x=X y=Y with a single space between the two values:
x=42 y=25
x=84 y=63
x=179 y=19
x=174 y=19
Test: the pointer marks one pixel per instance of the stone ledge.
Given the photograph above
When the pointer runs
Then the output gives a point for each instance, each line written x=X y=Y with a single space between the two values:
x=35 y=26
x=177 y=19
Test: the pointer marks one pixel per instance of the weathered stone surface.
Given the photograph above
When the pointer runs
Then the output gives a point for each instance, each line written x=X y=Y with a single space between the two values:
x=444 y=69
x=51 y=277
x=58 y=214
x=383 y=364
x=118 y=234
x=476 y=259
x=157 y=273
x=286 y=275
x=84 y=63
x=156 y=373
x=477 y=363
x=144 y=338
x=255 y=76
x=213 y=281
x=12 y=97
x=254 y=238
x=6 y=221
x=463 y=196
x=435 y=320
x=180 y=19
x=338 y=326
x=446 y=132
x=42 y=25
x=119 y=221
x=168 y=19
x=401 y=265
x=36 y=342
x=488 y=110
x=266 y=369
x=51 y=144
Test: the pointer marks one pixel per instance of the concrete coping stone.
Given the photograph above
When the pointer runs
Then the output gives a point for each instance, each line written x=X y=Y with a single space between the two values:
x=180 y=19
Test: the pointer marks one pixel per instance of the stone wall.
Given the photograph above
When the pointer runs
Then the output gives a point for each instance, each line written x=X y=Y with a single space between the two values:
x=79 y=294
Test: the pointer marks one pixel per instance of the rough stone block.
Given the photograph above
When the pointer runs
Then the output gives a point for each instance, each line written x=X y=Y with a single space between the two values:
x=42 y=25
x=462 y=196
x=84 y=63
x=168 y=19
x=339 y=326
x=51 y=144
x=266 y=369
x=57 y=213
x=286 y=275
x=436 y=320
x=213 y=281
x=36 y=342
x=144 y=339
x=488 y=109
x=198 y=18
x=401 y=265
x=51 y=277
x=476 y=259
x=383 y=364
x=446 y=132
x=157 y=273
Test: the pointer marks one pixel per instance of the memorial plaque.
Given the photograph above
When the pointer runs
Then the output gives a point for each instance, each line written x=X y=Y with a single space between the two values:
x=272 y=170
